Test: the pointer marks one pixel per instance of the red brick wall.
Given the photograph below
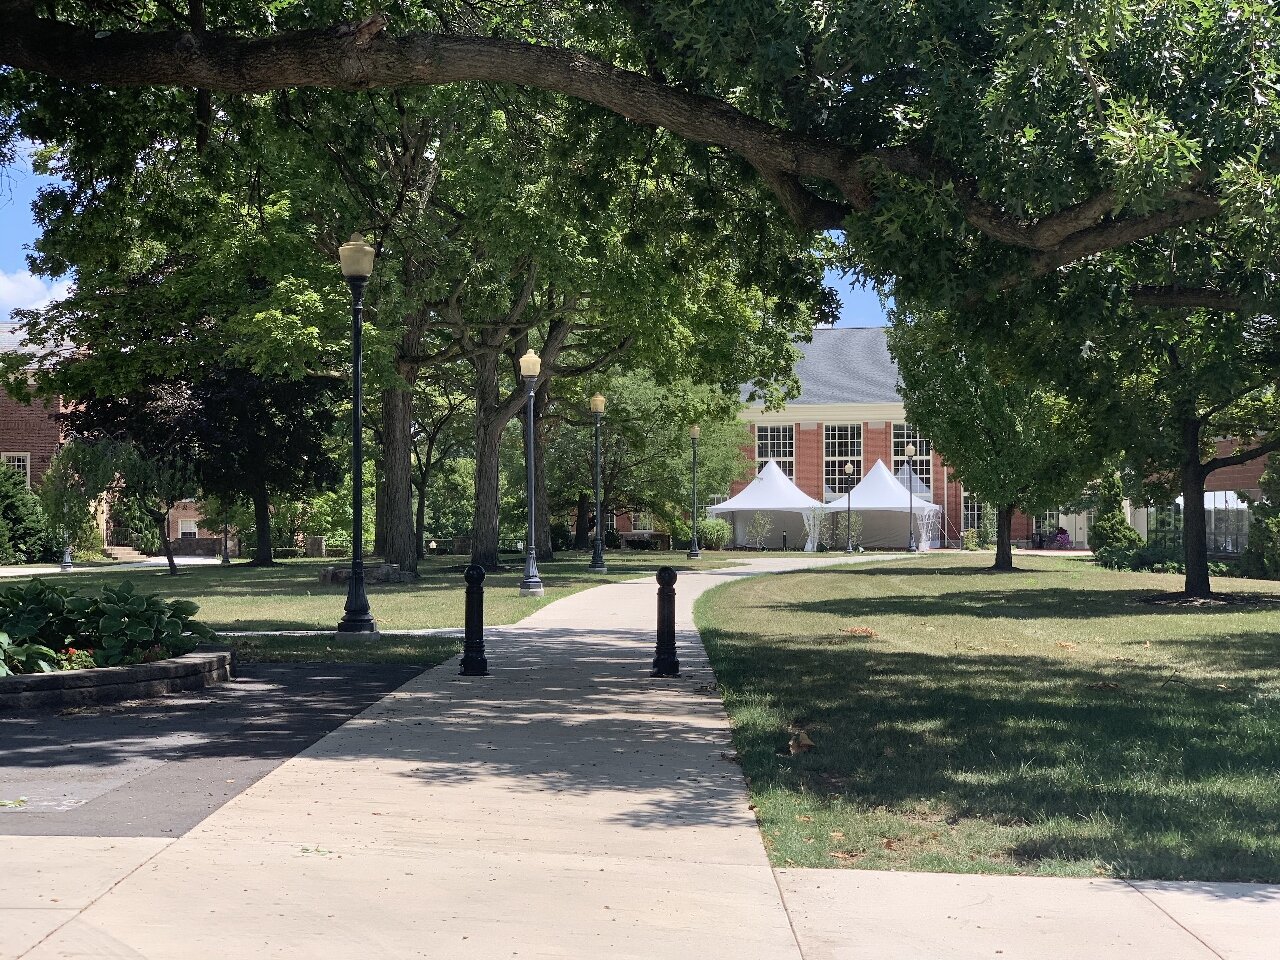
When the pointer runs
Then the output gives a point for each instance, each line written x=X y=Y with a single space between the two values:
x=809 y=459
x=1243 y=476
x=32 y=429
x=187 y=510
x=877 y=444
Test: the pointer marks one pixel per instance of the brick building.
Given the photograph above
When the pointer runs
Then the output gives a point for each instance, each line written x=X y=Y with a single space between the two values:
x=849 y=411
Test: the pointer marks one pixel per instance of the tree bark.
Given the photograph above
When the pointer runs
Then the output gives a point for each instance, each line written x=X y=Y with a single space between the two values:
x=581 y=531
x=161 y=518
x=379 y=511
x=1004 y=539
x=1195 y=544
x=542 y=512
x=262 y=528
x=420 y=515
x=397 y=475
x=488 y=434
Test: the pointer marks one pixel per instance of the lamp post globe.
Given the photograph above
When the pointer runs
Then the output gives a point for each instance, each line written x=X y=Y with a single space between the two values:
x=848 y=501
x=911 y=497
x=356 y=258
x=695 y=433
x=597 y=547
x=530 y=368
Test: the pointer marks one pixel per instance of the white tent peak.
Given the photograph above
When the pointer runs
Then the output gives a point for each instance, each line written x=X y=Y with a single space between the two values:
x=880 y=490
x=908 y=477
x=770 y=490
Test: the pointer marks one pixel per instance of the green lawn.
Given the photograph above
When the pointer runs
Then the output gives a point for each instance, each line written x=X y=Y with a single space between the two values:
x=290 y=597
x=1043 y=722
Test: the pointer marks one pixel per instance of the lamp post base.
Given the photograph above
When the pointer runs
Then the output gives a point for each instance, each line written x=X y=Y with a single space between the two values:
x=531 y=588
x=694 y=554
x=598 y=567
x=363 y=636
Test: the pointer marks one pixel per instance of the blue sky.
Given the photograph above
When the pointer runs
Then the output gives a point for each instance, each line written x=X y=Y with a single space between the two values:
x=860 y=307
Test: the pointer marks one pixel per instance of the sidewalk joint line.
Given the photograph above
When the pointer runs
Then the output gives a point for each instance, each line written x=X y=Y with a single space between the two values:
x=79 y=913
x=1191 y=933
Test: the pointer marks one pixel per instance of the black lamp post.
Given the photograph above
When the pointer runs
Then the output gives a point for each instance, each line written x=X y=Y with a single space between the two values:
x=530 y=367
x=597 y=551
x=911 y=498
x=694 y=433
x=848 y=501
x=356 y=258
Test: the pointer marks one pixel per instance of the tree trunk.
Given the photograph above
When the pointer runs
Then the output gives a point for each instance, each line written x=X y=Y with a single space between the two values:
x=162 y=525
x=581 y=531
x=488 y=434
x=542 y=512
x=1195 y=543
x=397 y=477
x=379 y=511
x=420 y=515
x=1004 y=540
x=262 y=527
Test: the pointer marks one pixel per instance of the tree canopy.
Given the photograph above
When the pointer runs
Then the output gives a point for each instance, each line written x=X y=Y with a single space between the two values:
x=966 y=149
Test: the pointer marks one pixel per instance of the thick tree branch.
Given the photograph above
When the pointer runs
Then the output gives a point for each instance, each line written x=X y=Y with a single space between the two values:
x=1244 y=456
x=363 y=55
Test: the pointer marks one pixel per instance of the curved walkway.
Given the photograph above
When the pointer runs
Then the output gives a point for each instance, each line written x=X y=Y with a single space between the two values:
x=567 y=806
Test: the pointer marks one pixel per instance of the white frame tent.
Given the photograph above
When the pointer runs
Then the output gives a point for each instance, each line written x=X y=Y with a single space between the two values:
x=772 y=491
x=879 y=493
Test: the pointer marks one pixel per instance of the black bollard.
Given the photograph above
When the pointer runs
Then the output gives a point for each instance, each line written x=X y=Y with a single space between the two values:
x=474 y=663
x=665 y=663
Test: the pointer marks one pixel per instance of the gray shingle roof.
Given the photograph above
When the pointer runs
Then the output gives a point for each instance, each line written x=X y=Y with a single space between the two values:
x=846 y=365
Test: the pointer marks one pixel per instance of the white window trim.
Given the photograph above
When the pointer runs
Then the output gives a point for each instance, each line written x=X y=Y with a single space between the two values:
x=26 y=457
x=186 y=526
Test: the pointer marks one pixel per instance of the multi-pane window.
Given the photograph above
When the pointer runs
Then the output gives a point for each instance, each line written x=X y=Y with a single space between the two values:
x=841 y=444
x=20 y=462
x=187 y=529
x=971 y=512
x=1048 y=522
x=777 y=443
x=642 y=521
x=611 y=522
x=922 y=463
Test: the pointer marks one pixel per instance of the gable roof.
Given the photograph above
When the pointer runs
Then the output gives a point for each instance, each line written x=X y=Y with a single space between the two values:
x=846 y=365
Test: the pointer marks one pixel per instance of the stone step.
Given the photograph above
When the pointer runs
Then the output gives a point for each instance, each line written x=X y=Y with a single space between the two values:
x=125 y=554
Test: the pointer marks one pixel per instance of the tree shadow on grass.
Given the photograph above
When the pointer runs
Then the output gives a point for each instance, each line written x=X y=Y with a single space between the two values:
x=1021 y=603
x=1114 y=764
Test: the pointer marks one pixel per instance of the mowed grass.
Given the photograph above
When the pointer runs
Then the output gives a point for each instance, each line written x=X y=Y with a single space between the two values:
x=1046 y=721
x=289 y=596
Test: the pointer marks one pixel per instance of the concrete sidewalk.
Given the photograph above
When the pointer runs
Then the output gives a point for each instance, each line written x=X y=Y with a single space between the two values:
x=567 y=806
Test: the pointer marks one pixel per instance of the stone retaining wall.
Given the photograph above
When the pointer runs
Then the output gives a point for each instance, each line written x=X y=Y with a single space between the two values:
x=99 y=685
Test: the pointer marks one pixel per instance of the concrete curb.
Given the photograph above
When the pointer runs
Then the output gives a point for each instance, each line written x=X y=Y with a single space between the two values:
x=101 y=685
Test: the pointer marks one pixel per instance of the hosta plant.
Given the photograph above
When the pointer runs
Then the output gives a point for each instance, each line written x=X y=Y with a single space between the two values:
x=25 y=657
x=116 y=627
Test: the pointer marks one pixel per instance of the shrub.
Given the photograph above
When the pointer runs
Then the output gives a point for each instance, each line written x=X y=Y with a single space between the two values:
x=561 y=535
x=1262 y=555
x=758 y=529
x=23 y=537
x=714 y=533
x=119 y=626
x=1110 y=528
x=987 y=528
x=279 y=553
x=969 y=540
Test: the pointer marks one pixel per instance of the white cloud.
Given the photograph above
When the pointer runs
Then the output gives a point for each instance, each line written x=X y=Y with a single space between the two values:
x=23 y=289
